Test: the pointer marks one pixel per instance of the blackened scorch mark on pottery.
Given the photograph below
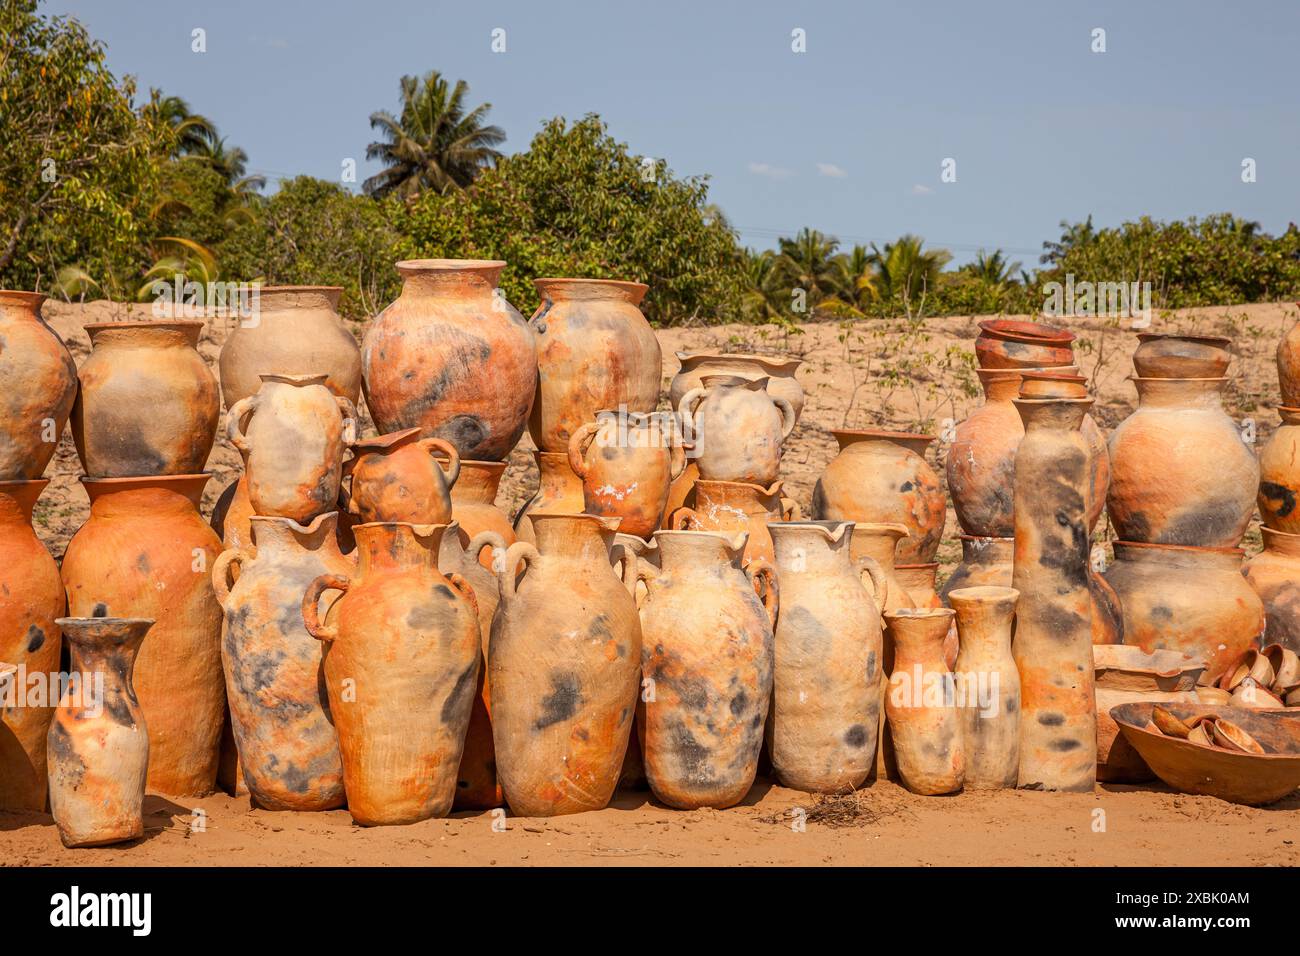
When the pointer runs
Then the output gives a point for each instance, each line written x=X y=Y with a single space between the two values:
x=562 y=702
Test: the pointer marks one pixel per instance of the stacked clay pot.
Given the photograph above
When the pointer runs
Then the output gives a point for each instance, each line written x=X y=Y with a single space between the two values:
x=38 y=387
x=1274 y=573
x=737 y=428
x=733 y=506
x=627 y=462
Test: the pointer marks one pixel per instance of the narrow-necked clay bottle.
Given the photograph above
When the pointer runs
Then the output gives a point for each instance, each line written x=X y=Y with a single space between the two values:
x=988 y=686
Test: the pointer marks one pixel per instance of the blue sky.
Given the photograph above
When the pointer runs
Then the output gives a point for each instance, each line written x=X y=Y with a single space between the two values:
x=847 y=137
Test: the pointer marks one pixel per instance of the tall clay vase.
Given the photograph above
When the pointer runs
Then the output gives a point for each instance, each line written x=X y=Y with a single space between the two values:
x=1279 y=475
x=473 y=502
x=778 y=370
x=400 y=478
x=563 y=667
x=38 y=385
x=148 y=404
x=1053 y=644
x=451 y=357
x=401 y=665
x=559 y=491
x=31 y=599
x=879 y=541
x=1288 y=366
x=736 y=428
x=1180 y=472
x=708 y=655
x=279 y=711
x=98 y=742
x=882 y=476
x=988 y=686
x=627 y=462
x=920 y=703
x=1274 y=573
x=146 y=552
x=827 y=676
x=296 y=330
x=733 y=506
x=595 y=350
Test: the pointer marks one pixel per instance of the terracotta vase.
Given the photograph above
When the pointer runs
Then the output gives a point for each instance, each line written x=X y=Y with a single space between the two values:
x=563 y=667
x=733 y=506
x=401 y=477
x=827 y=682
x=879 y=541
x=778 y=370
x=232 y=513
x=280 y=715
x=1288 y=366
x=1161 y=355
x=920 y=703
x=31 y=599
x=1192 y=600
x=595 y=350
x=1279 y=475
x=473 y=502
x=708 y=655
x=401 y=666
x=882 y=476
x=451 y=357
x=1180 y=472
x=1009 y=343
x=98 y=741
x=627 y=462
x=146 y=552
x=296 y=330
x=1274 y=573
x=38 y=385
x=1126 y=675
x=736 y=428
x=559 y=491
x=988 y=686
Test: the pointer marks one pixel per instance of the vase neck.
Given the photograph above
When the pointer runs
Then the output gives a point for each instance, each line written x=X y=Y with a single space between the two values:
x=450 y=277
x=584 y=537
x=908 y=441
x=21 y=306
x=18 y=502
x=878 y=542
x=281 y=301
x=478 y=481
x=579 y=290
x=104 y=644
x=384 y=546
x=277 y=536
x=984 y=616
x=159 y=495
x=554 y=472
x=1052 y=414
x=978 y=550
x=740 y=495
x=703 y=551
x=178 y=333
x=1180 y=392
x=816 y=546
x=918 y=635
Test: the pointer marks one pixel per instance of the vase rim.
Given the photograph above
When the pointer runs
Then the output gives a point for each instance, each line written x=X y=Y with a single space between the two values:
x=383 y=442
x=985 y=537
x=1026 y=332
x=322 y=520
x=925 y=565
x=145 y=324
x=19 y=483
x=117 y=621
x=125 y=480
x=882 y=433
x=1221 y=341
x=883 y=527
x=984 y=593
x=22 y=297
x=497 y=466
x=1156 y=378
x=735 y=542
x=607 y=523
x=917 y=613
x=834 y=529
x=263 y=289
x=290 y=378
x=629 y=284
x=773 y=489
x=415 y=266
x=759 y=358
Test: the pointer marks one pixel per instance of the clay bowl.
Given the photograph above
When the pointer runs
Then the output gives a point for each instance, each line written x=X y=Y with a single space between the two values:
x=1007 y=343
x=1255 y=696
x=1252 y=779
x=1045 y=383
x=1160 y=355
x=1286 y=667
x=1126 y=674
x=1253 y=665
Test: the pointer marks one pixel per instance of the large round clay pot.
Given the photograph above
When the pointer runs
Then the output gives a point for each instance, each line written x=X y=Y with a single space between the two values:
x=733 y=506
x=400 y=477
x=148 y=404
x=279 y=711
x=882 y=476
x=923 y=721
x=736 y=429
x=31 y=599
x=451 y=357
x=1180 y=472
x=401 y=665
x=295 y=330
x=38 y=385
x=563 y=666
x=1279 y=475
x=595 y=350
x=627 y=462
x=988 y=686
x=473 y=502
x=1009 y=343
x=1288 y=366
x=708 y=652
x=1192 y=600
x=1161 y=355
x=1274 y=573
x=778 y=370
x=879 y=542
x=559 y=492
x=1126 y=675
x=146 y=552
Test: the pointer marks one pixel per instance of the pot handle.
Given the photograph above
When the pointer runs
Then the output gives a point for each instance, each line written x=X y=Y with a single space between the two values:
x=488 y=539
x=234 y=431
x=688 y=405
x=685 y=519
x=879 y=583
x=349 y=413
x=763 y=578
x=790 y=510
x=519 y=551
x=622 y=554
x=538 y=317
x=466 y=590
x=310 y=611
x=787 y=415
x=677 y=459
x=221 y=582
x=578 y=450
x=452 y=471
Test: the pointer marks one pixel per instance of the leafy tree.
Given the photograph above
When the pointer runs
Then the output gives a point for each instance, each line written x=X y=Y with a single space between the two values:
x=807 y=262
x=190 y=131
x=993 y=269
x=904 y=272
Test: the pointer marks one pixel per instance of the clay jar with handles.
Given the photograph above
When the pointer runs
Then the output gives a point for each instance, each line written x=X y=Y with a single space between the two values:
x=148 y=404
x=879 y=541
x=707 y=661
x=733 y=506
x=627 y=463
x=563 y=666
x=473 y=501
x=559 y=491
x=38 y=385
x=827 y=674
x=920 y=703
x=778 y=370
x=398 y=478
x=279 y=711
x=1279 y=475
x=451 y=357
x=401 y=665
x=1010 y=343
x=1274 y=573
x=98 y=740
x=595 y=350
x=988 y=686
x=737 y=428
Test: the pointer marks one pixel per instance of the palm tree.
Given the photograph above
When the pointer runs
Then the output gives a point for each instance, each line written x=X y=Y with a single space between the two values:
x=993 y=269
x=762 y=300
x=190 y=131
x=852 y=277
x=1075 y=235
x=436 y=143
x=807 y=262
x=905 y=271
x=230 y=162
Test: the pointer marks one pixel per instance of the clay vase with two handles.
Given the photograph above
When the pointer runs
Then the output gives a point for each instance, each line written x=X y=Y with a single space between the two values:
x=400 y=477
x=736 y=428
x=627 y=462
x=778 y=370
x=38 y=386
x=730 y=507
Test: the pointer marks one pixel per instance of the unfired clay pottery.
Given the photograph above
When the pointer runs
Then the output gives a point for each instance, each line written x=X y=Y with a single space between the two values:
x=627 y=462
x=1279 y=475
x=988 y=686
x=473 y=502
x=879 y=541
x=920 y=703
x=733 y=506
x=1162 y=355
x=399 y=478
x=778 y=370
x=38 y=385
x=1009 y=343
x=559 y=491
x=1126 y=675
x=1274 y=573
x=736 y=428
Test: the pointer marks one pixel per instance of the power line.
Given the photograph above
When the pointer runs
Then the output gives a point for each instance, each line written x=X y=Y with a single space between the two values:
x=766 y=232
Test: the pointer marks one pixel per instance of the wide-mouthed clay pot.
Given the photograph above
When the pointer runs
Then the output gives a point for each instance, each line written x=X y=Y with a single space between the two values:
x=38 y=385
x=559 y=491
x=1274 y=573
x=1009 y=343
x=1288 y=366
x=988 y=686
x=1279 y=475
x=1161 y=355
x=736 y=428
x=627 y=462
x=879 y=541
x=733 y=506
x=451 y=357
x=1126 y=675
x=778 y=370
x=399 y=477
x=920 y=703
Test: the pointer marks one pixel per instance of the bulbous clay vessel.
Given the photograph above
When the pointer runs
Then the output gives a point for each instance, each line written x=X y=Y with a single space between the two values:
x=595 y=350
x=736 y=428
x=399 y=477
x=563 y=667
x=1180 y=472
x=778 y=370
x=559 y=491
x=1008 y=343
x=145 y=551
x=1126 y=675
x=279 y=711
x=473 y=502
x=707 y=660
x=401 y=664
x=451 y=357
x=1279 y=475
x=879 y=541
x=1192 y=600
x=1274 y=573
x=827 y=676
x=148 y=404
x=882 y=476
x=733 y=506
x=38 y=385
x=31 y=598
x=98 y=741
x=988 y=686
x=1288 y=366
x=921 y=705
x=1161 y=355
x=627 y=463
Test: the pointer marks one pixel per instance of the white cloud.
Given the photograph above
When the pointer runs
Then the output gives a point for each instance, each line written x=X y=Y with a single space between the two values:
x=919 y=190
x=769 y=171
x=831 y=170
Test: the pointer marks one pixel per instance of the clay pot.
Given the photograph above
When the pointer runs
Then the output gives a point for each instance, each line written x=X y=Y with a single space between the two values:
x=401 y=665
x=38 y=385
x=988 y=686
x=595 y=350
x=878 y=541
x=1008 y=343
x=1180 y=472
x=559 y=491
x=920 y=703
x=630 y=474
x=1127 y=675
x=707 y=660
x=29 y=640
x=1274 y=573
x=148 y=404
x=1046 y=383
x=296 y=331
x=1288 y=366
x=145 y=551
x=681 y=493
x=232 y=513
x=401 y=477
x=98 y=742
x=827 y=675
x=882 y=476
x=733 y=506
x=1279 y=475
x=451 y=357
x=636 y=550
x=473 y=502
x=280 y=715
x=920 y=581
x=778 y=370
x=564 y=666
x=1161 y=355
x=736 y=428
